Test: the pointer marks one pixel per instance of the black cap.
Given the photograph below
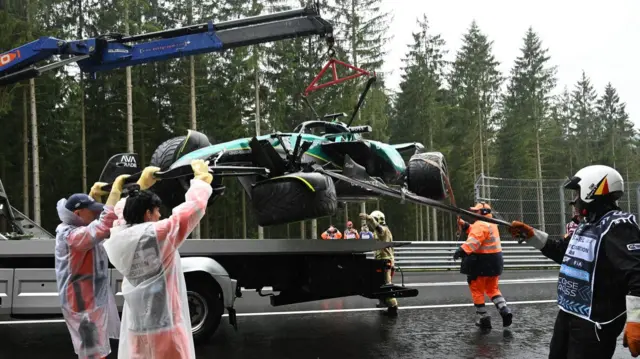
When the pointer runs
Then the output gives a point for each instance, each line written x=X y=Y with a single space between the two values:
x=81 y=200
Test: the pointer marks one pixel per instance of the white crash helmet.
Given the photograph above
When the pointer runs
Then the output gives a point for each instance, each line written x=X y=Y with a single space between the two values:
x=378 y=216
x=597 y=181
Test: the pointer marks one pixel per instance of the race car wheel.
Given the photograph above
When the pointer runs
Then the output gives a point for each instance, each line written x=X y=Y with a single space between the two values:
x=426 y=175
x=164 y=155
x=172 y=191
x=292 y=198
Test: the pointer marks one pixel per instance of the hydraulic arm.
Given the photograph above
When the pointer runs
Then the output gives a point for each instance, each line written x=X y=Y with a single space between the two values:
x=113 y=51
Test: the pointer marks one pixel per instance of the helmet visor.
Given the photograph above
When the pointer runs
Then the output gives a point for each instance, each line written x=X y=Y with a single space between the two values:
x=573 y=183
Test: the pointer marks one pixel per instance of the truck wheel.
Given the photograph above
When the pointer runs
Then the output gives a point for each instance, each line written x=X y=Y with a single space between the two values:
x=426 y=175
x=292 y=198
x=206 y=306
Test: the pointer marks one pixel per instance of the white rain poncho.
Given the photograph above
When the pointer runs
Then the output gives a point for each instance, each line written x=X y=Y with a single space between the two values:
x=155 y=320
x=82 y=273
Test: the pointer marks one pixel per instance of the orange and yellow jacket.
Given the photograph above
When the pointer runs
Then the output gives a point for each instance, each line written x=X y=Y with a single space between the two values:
x=483 y=249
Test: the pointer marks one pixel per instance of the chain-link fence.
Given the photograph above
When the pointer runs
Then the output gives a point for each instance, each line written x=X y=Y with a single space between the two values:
x=543 y=204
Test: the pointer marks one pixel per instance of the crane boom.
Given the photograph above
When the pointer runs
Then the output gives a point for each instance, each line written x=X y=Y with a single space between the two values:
x=114 y=51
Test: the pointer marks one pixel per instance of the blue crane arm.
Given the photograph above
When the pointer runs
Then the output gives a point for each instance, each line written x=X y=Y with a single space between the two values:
x=116 y=51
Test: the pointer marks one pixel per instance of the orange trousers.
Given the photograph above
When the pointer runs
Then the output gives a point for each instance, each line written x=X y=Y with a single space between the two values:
x=484 y=285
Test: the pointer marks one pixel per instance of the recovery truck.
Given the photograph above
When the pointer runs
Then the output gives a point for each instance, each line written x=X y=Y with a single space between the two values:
x=215 y=270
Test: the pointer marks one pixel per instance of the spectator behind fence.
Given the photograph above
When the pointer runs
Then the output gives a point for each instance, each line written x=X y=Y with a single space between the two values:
x=331 y=233
x=350 y=232
x=365 y=233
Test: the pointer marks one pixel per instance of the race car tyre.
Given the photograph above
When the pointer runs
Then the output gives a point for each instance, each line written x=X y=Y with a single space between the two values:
x=426 y=175
x=206 y=305
x=172 y=191
x=292 y=198
x=171 y=150
x=165 y=154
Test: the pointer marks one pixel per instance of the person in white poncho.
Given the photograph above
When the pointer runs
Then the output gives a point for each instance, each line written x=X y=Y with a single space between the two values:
x=155 y=319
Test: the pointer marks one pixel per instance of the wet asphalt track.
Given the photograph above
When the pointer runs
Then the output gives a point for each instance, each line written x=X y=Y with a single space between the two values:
x=436 y=324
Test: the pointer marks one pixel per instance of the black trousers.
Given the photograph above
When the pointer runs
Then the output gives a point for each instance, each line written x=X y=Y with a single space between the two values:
x=575 y=338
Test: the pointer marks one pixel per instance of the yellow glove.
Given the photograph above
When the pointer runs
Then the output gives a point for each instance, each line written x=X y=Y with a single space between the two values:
x=146 y=179
x=96 y=191
x=201 y=170
x=116 y=190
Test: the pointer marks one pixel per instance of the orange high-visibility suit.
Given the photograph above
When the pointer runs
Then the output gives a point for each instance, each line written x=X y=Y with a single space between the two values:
x=331 y=233
x=483 y=264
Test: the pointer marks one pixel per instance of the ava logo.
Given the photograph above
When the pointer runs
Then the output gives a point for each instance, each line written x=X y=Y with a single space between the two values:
x=633 y=246
x=9 y=57
x=127 y=161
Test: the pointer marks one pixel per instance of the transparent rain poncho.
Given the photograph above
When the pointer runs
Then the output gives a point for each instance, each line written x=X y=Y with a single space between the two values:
x=82 y=273
x=155 y=320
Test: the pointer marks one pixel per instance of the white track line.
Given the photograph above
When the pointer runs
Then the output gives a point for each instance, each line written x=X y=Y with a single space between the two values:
x=328 y=311
x=502 y=281
x=409 y=307
x=451 y=284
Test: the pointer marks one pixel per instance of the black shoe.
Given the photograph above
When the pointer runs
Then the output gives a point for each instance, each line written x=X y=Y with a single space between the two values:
x=507 y=317
x=392 y=311
x=484 y=322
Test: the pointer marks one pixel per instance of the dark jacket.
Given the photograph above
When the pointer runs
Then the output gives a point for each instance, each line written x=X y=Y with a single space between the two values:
x=617 y=268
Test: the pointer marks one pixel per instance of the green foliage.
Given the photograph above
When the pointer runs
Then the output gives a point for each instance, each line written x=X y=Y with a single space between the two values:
x=507 y=125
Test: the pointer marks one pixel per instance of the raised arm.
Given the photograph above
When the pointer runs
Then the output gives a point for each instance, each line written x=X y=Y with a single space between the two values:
x=86 y=237
x=186 y=216
x=553 y=249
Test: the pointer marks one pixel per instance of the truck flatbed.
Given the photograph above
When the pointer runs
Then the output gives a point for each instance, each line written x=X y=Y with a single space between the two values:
x=221 y=247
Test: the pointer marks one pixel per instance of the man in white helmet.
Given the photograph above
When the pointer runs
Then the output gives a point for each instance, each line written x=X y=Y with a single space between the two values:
x=382 y=233
x=599 y=278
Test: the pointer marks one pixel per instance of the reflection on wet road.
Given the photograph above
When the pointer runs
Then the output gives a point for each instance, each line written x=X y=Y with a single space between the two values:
x=437 y=324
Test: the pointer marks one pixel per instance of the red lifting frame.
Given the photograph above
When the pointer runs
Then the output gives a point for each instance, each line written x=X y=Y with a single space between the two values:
x=336 y=80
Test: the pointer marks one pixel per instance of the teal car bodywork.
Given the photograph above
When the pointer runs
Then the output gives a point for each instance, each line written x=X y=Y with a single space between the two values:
x=381 y=160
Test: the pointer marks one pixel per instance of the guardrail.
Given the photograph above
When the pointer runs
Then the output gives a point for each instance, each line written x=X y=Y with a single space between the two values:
x=439 y=255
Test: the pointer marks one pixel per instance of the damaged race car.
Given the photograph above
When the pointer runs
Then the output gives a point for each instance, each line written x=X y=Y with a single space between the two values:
x=279 y=171
x=302 y=174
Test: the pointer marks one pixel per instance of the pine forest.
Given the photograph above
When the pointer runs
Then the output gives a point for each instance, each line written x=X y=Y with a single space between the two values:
x=61 y=128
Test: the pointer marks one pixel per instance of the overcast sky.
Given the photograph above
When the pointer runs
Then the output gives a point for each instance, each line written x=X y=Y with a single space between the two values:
x=601 y=38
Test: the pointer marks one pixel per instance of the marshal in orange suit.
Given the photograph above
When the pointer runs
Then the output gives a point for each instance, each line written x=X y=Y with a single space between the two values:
x=482 y=262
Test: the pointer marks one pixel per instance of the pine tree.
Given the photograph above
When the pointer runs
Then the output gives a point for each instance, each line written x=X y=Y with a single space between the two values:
x=525 y=109
x=419 y=109
x=587 y=129
x=618 y=129
x=475 y=82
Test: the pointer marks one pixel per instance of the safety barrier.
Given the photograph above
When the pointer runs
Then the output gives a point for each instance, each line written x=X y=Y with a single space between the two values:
x=439 y=256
